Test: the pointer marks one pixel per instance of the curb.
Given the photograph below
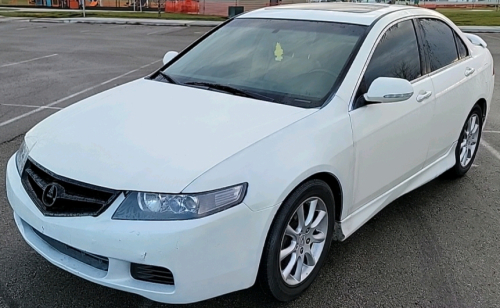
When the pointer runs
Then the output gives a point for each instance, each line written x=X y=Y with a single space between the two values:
x=129 y=22
x=185 y=23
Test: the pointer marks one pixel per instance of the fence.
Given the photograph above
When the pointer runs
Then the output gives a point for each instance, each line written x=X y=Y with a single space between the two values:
x=205 y=7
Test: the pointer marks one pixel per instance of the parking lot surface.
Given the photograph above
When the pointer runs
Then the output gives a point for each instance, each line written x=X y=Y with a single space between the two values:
x=438 y=246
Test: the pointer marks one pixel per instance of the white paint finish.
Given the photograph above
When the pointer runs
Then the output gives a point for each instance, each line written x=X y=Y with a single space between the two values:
x=388 y=149
x=161 y=137
x=189 y=253
x=491 y=149
x=329 y=12
x=24 y=115
x=31 y=106
x=321 y=142
x=456 y=94
x=26 y=61
x=146 y=120
x=390 y=90
x=169 y=56
x=357 y=219
x=476 y=40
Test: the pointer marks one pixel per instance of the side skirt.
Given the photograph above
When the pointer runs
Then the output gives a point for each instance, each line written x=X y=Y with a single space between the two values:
x=357 y=219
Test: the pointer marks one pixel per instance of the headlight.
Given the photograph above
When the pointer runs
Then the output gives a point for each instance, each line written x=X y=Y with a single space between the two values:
x=154 y=206
x=21 y=157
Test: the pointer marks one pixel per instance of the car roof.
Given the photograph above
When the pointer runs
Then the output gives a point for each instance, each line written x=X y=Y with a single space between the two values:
x=346 y=12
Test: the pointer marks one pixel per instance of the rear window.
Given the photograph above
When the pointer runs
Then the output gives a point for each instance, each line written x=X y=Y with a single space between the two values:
x=439 y=43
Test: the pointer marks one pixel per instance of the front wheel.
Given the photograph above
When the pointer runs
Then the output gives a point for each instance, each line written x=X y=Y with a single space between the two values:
x=298 y=241
x=468 y=143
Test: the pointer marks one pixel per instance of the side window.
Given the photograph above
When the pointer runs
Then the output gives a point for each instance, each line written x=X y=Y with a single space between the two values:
x=462 y=49
x=396 y=55
x=438 y=43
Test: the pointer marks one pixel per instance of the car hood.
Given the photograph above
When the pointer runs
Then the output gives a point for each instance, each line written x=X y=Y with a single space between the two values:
x=152 y=136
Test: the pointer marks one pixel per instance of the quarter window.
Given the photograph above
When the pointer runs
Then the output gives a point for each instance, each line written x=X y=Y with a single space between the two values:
x=438 y=43
x=462 y=49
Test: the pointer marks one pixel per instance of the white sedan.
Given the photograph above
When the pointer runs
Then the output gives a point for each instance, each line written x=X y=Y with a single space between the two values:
x=246 y=154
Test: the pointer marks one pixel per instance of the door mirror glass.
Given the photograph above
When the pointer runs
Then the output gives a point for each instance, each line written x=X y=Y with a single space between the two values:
x=389 y=90
x=169 y=56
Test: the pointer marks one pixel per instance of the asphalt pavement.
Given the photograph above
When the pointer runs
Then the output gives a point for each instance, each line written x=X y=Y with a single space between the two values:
x=438 y=246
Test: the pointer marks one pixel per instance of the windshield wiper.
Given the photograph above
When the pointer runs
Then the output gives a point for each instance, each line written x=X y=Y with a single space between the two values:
x=167 y=77
x=230 y=89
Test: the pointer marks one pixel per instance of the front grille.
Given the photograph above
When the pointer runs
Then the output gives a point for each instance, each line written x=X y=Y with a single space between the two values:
x=55 y=195
x=151 y=273
x=93 y=260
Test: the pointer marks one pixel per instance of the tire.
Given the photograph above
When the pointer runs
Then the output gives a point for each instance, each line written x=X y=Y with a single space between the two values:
x=471 y=141
x=303 y=243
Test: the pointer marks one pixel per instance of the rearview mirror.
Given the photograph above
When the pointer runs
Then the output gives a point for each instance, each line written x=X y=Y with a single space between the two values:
x=169 y=56
x=389 y=90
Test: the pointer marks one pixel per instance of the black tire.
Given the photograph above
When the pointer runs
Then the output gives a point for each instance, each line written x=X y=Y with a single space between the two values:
x=270 y=278
x=459 y=170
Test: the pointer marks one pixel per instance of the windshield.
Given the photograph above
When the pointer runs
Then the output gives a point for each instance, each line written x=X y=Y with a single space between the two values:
x=288 y=61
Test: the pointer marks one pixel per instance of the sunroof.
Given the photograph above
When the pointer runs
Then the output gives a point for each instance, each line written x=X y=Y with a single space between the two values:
x=337 y=7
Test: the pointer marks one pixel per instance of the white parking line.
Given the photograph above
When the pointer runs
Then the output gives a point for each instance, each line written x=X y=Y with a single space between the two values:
x=25 y=61
x=73 y=95
x=493 y=37
x=491 y=149
x=159 y=31
x=165 y=31
x=491 y=131
x=40 y=27
x=31 y=106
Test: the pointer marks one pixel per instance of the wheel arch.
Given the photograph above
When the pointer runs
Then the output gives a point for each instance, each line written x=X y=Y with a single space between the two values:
x=334 y=183
x=483 y=105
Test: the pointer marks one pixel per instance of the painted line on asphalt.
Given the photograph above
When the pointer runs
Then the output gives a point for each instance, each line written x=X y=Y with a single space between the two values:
x=165 y=31
x=154 y=32
x=491 y=131
x=24 y=115
x=31 y=106
x=40 y=27
x=30 y=60
x=493 y=37
x=492 y=150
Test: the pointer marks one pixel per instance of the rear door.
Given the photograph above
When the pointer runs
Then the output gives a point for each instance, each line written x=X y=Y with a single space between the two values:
x=452 y=71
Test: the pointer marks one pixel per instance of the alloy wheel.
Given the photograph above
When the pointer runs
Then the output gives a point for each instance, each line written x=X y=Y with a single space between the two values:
x=303 y=241
x=468 y=146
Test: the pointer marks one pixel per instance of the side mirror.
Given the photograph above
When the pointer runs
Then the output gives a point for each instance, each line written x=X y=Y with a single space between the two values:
x=389 y=90
x=169 y=56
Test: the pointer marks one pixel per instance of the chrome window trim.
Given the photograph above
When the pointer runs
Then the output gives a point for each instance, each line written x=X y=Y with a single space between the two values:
x=369 y=58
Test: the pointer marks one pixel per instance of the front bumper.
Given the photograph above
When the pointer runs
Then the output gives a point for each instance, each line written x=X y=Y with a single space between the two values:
x=208 y=257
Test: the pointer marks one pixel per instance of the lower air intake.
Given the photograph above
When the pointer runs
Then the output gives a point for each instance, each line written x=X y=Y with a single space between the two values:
x=154 y=274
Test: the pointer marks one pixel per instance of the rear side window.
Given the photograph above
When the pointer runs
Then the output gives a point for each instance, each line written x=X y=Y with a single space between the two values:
x=438 y=43
x=462 y=49
x=396 y=55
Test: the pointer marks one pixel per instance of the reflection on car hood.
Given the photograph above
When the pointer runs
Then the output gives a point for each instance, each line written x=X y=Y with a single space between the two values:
x=152 y=136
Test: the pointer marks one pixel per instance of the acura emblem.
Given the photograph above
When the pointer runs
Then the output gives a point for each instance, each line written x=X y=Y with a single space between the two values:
x=50 y=193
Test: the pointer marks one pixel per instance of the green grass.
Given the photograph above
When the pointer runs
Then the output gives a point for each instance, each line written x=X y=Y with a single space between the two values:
x=466 y=17
x=152 y=15
x=14 y=2
x=461 y=17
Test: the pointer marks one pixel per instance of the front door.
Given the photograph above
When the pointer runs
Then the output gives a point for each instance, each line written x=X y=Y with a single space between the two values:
x=391 y=139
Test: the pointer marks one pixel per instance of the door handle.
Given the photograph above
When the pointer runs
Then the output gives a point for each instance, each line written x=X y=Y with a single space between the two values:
x=423 y=96
x=469 y=71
